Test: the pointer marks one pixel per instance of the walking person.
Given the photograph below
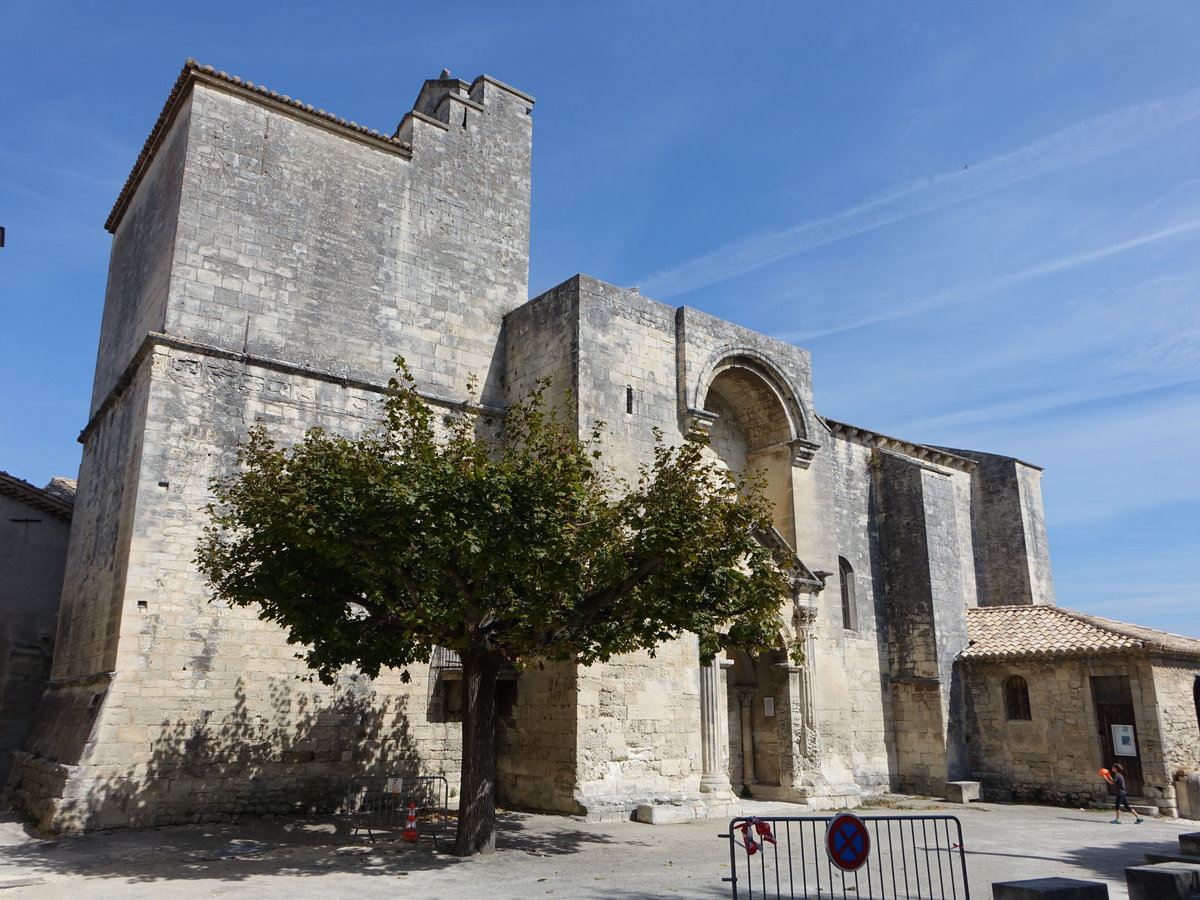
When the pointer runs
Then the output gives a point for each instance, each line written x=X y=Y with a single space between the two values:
x=1118 y=780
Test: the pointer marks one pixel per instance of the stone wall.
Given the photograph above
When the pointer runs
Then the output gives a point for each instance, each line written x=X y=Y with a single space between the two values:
x=1012 y=556
x=638 y=729
x=538 y=740
x=852 y=667
x=927 y=585
x=1177 y=691
x=205 y=713
x=299 y=242
x=34 y=528
x=141 y=261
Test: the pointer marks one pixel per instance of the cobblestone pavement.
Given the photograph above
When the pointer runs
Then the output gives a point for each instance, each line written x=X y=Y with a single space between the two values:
x=537 y=856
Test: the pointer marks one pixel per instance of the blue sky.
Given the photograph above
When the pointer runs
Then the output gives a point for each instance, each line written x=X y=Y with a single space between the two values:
x=982 y=219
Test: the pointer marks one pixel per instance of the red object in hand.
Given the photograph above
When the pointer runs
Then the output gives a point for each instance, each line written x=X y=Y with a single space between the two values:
x=1106 y=775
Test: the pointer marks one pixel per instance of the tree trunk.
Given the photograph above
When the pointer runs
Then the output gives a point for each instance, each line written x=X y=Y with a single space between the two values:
x=477 y=797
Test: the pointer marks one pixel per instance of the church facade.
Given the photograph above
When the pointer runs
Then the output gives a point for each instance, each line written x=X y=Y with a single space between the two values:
x=269 y=261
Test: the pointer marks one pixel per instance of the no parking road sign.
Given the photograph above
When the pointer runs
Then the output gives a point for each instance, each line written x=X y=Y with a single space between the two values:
x=847 y=842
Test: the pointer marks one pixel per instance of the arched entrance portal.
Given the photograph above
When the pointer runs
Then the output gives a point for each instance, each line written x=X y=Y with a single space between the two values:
x=754 y=738
x=757 y=429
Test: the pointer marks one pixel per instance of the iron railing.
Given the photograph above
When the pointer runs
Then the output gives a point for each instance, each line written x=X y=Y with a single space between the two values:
x=785 y=858
x=380 y=805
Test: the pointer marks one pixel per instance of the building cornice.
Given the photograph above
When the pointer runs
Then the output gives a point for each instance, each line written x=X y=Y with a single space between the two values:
x=933 y=455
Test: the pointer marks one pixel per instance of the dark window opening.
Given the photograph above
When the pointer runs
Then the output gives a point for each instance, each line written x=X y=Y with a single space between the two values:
x=1016 y=699
x=453 y=697
x=506 y=698
x=846 y=577
x=1196 y=698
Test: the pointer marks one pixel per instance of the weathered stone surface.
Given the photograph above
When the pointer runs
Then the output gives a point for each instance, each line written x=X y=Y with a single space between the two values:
x=1050 y=889
x=665 y=814
x=35 y=524
x=962 y=791
x=1163 y=881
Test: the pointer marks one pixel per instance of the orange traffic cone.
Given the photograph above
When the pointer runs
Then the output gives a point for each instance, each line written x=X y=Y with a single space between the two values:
x=410 y=825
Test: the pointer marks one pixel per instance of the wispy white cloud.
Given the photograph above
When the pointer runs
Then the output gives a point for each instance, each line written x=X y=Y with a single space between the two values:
x=1171 y=605
x=974 y=290
x=1075 y=145
x=1078 y=447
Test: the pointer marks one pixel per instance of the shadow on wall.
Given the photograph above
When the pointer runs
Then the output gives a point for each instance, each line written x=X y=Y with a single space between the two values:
x=290 y=752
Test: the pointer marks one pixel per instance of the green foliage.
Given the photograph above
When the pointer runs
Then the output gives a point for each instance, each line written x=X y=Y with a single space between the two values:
x=369 y=552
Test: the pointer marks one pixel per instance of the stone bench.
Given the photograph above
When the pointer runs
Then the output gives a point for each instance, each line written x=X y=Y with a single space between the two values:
x=962 y=791
x=1044 y=888
x=1163 y=881
x=1190 y=843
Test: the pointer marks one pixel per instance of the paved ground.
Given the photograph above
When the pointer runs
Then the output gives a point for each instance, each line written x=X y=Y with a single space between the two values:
x=537 y=856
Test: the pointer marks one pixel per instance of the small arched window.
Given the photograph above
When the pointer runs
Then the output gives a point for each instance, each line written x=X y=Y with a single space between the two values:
x=1016 y=698
x=846 y=577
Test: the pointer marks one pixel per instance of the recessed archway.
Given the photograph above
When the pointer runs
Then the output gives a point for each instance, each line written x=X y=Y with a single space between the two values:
x=753 y=432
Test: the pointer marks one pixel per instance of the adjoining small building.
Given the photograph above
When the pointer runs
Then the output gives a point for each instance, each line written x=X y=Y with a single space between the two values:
x=35 y=524
x=1052 y=695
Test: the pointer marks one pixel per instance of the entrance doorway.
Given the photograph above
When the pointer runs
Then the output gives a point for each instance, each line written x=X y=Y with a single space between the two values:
x=1118 y=729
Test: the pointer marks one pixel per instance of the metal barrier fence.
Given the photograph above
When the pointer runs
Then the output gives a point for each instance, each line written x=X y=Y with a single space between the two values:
x=379 y=805
x=907 y=857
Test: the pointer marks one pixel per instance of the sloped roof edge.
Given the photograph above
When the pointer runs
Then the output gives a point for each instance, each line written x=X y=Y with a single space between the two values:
x=34 y=496
x=1027 y=632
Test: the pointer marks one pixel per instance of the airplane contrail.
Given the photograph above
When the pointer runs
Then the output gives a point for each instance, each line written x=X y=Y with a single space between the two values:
x=1077 y=144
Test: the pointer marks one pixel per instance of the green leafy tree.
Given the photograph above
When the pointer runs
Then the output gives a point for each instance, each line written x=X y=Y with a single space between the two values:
x=508 y=549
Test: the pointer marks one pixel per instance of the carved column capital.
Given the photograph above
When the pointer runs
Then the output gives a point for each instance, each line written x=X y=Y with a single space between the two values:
x=698 y=424
x=803 y=452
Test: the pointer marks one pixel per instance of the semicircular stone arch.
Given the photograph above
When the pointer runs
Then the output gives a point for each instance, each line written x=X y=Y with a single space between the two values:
x=745 y=373
x=755 y=427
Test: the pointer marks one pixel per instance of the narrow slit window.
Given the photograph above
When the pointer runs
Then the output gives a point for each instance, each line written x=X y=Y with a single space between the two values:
x=846 y=577
x=629 y=399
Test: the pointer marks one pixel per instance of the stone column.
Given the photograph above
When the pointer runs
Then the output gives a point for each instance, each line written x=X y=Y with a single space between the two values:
x=713 y=776
x=801 y=679
x=791 y=722
x=746 y=700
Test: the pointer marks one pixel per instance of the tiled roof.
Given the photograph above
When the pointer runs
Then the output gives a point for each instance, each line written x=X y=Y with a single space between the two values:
x=999 y=632
x=53 y=503
x=193 y=71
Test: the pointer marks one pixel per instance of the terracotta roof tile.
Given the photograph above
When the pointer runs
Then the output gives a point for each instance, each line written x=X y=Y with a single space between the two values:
x=997 y=632
x=53 y=502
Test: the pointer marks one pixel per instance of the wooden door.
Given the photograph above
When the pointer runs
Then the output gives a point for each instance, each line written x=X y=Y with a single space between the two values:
x=1116 y=713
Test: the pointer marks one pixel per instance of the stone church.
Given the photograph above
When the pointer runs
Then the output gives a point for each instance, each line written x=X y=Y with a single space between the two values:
x=269 y=261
